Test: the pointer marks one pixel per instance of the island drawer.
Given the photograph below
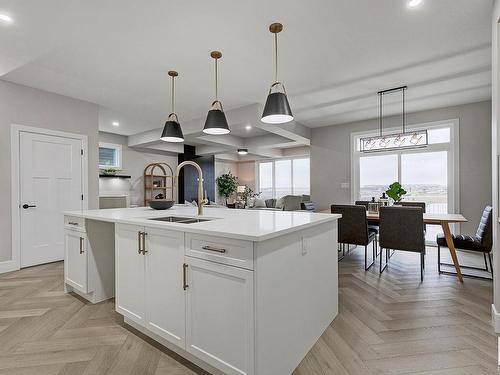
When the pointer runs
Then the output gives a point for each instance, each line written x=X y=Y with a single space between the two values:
x=221 y=250
x=73 y=222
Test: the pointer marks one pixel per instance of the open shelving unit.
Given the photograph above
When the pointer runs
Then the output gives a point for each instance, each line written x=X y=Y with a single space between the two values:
x=158 y=178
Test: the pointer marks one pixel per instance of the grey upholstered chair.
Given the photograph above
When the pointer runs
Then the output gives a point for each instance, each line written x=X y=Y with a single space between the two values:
x=353 y=228
x=481 y=242
x=412 y=204
x=372 y=225
x=402 y=228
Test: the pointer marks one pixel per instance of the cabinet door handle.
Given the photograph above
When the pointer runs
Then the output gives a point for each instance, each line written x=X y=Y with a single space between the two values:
x=184 y=276
x=139 y=235
x=72 y=223
x=212 y=248
x=81 y=245
x=144 y=251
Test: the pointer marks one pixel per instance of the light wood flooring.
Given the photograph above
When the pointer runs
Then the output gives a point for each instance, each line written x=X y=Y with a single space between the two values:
x=387 y=325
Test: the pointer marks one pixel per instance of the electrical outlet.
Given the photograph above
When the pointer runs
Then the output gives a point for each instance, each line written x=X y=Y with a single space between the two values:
x=304 y=246
x=344 y=185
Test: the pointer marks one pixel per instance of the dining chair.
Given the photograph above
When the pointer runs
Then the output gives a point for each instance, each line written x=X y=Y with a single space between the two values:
x=353 y=229
x=372 y=225
x=412 y=204
x=402 y=228
x=481 y=242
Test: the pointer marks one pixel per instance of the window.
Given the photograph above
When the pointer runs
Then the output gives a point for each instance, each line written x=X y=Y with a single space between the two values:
x=428 y=174
x=282 y=177
x=110 y=155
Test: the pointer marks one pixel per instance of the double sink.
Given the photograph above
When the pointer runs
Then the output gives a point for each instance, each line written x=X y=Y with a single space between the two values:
x=180 y=219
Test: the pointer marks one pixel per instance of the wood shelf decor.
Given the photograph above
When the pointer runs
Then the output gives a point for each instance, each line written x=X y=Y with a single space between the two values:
x=158 y=178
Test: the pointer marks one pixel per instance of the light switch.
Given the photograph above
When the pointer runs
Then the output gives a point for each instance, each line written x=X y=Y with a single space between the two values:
x=304 y=246
x=344 y=185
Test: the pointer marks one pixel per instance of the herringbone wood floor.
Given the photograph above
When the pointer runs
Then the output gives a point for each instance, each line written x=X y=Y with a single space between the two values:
x=387 y=325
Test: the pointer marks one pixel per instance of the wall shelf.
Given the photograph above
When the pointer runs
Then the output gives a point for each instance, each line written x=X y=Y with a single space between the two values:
x=114 y=176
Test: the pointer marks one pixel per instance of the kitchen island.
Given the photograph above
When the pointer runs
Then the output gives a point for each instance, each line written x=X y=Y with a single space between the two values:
x=233 y=291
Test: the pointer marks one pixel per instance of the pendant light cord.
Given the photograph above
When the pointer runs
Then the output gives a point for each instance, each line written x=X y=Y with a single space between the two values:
x=404 y=110
x=216 y=82
x=380 y=112
x=173 y=85
x=275 y=57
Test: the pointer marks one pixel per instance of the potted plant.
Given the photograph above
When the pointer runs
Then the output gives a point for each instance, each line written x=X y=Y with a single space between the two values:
x=395 y=191
x=111 y=171
x=247 y=194
x=226 y=185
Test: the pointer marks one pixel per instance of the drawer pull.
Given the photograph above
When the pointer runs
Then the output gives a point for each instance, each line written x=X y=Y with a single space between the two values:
x=144 y=251
x=216 y=249
x=139 y=242
x=72 y=223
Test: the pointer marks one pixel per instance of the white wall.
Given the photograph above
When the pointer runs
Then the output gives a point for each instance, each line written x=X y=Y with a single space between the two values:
x=133 y=163
x=331 y=155
x=23 y=105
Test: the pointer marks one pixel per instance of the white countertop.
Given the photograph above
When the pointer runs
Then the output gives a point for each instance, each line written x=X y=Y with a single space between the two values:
x=251 y=225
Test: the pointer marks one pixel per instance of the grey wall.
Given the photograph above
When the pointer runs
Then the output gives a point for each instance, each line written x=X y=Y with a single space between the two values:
x=133 y=163
x=331 y=155
x=22 y=105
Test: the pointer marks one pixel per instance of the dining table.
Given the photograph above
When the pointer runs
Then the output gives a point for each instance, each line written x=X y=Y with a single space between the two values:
x=443 y=220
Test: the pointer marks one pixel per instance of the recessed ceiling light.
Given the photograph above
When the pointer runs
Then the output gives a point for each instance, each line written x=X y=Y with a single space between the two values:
x=5 y=18
x=116 y=123
x=248 y=127
x=414 y=3
x=242 y=151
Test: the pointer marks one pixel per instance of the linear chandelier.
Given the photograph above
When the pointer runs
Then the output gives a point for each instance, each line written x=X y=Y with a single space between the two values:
x=397 y=141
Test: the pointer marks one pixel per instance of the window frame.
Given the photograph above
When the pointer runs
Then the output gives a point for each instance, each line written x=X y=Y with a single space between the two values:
x=118 y=150
x=273 y=161
x=453 y=157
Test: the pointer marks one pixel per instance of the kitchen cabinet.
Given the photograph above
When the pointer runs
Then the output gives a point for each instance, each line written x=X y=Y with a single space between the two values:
x=220 y=315
x=76 y=250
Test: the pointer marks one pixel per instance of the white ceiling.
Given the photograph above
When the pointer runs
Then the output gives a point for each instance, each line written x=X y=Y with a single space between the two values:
x=334 y=55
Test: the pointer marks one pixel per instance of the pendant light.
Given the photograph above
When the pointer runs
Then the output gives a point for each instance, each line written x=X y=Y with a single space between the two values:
x=216 y=123
x=395 y=141
x=172 y=131
x=277 y=110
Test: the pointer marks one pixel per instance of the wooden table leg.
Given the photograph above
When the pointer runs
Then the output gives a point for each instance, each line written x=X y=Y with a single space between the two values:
x=451 y=246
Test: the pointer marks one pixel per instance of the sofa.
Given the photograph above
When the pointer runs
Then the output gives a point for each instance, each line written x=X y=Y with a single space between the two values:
x=286 y=203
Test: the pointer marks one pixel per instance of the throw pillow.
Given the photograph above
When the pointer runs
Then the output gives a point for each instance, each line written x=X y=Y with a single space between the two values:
x=280 y=203
x=259 y=203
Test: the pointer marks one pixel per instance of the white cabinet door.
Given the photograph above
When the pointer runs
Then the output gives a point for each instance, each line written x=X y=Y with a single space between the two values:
x=130 y=272
x=220 y=315
x=76 y=260
x=165 y=296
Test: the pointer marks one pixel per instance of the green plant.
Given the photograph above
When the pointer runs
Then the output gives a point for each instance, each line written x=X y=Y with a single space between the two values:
x=248 y=193
x=395 y=191
x=110 y=170
x=226 y=185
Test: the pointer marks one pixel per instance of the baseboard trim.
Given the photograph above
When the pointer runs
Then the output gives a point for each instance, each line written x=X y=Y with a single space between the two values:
x=8 y=266
x=495 y=317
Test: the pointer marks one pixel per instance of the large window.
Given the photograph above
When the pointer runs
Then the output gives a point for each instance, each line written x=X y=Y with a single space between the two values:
x=278 y=178
x=428 y=174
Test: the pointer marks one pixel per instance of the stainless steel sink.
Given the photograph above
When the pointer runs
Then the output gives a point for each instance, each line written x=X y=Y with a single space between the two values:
x=180 y=219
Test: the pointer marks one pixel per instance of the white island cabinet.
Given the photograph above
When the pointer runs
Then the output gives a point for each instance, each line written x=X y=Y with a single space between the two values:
x=246 y=292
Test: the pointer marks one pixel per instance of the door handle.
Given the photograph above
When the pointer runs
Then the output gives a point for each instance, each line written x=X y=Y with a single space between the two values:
x=139 y=237
x=144 y=251
x=26 y=206
x=81 y=245
x=184 y=276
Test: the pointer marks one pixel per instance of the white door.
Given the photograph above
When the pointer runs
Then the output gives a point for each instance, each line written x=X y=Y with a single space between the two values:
x=220 y=316
x=130 y=272
x=165 y=296
x=50 y=183
x=76 y=265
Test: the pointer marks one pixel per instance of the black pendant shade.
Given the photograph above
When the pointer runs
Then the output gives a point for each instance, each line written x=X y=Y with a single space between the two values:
x=172 y=131
x=277 y=110
x=216 y=123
